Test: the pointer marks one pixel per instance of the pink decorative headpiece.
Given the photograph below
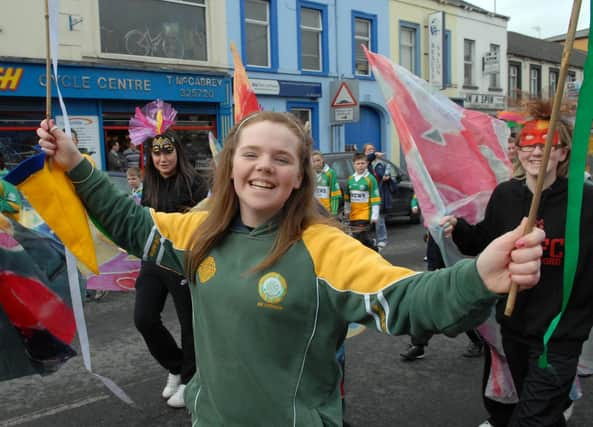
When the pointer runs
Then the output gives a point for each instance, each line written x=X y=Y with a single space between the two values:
x=153 y=119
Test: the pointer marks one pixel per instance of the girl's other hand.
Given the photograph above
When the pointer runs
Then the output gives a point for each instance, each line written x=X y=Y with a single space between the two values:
x=57 y=145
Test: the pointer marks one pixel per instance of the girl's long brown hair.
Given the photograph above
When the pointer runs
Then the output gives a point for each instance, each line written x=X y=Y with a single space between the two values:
x=299 y=211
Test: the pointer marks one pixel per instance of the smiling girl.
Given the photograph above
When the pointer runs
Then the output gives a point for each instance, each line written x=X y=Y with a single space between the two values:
x=274 y=284
x=543 y=393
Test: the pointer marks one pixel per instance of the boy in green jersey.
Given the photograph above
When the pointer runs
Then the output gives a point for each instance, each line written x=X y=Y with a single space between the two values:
x=362 y=200
x=328 y=190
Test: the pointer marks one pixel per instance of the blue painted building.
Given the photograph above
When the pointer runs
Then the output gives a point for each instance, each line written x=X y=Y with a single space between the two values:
x=101 y=100
x=292 y=50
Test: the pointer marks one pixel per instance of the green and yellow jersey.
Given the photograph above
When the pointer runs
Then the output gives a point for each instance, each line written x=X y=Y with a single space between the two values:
x=328 y=190
x=362 y=197
x=265 y=341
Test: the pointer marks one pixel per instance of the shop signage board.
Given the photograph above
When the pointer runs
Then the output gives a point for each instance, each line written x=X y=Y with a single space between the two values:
x=436 y=46
x=484 y=101
x=286 y=88
x=113 y=83
x=491 y=62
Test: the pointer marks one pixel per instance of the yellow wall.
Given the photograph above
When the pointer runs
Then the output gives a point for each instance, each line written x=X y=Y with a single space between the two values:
x=582 y=44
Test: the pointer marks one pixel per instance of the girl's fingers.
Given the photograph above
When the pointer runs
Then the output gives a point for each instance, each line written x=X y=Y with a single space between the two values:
x=531 y=239
x=529 y=267
x=526 y=254
x=525 y=281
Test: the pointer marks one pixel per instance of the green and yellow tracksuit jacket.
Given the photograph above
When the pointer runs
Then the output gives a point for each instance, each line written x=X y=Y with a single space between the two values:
x=266 y=342
x=328 y=190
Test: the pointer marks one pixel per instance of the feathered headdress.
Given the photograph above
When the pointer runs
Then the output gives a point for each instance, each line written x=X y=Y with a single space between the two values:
x=153 y=119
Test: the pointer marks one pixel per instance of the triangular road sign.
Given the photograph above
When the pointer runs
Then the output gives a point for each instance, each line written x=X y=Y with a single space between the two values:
x=344 y=97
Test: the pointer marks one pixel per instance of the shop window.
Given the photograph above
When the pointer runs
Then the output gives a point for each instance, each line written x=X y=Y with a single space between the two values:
x=192 y=130
x=17 y=137
x=154 y=28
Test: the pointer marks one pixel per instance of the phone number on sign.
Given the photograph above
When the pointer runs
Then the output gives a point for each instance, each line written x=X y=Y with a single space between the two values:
x=196 y=93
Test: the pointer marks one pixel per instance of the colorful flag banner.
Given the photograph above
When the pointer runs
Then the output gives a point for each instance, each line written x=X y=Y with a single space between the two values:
x=243 y=94
x=36 y=318
x=455 y=157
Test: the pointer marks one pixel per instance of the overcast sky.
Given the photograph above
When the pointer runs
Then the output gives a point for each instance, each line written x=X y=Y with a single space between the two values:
x=545 y=18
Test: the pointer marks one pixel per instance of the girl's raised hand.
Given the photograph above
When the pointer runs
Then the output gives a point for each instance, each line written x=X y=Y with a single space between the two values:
x=57 y=145
x=512 y=257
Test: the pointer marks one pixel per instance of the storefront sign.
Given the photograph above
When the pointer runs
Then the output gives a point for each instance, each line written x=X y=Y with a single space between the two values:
x=265 y=87
x=87 y=129
x=484 y=101
x=436 y=43
x=572 y=90
x=107 y=83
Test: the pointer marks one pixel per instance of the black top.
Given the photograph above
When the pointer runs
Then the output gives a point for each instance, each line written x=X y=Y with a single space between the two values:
x=535 y=308
x=181 y=200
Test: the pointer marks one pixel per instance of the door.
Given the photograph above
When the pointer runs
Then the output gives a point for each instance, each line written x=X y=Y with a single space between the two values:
x=366 y=131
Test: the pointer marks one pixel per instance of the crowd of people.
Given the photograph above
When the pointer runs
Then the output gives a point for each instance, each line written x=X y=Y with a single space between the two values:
x=259 y=244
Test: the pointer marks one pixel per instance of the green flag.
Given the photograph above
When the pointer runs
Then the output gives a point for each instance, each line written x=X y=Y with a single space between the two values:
x=578 y=157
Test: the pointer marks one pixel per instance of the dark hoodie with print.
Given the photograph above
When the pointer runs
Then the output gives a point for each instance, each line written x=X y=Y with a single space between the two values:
x=535 y=308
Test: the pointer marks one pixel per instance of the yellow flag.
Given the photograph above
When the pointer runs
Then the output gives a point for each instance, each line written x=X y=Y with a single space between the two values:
x=51 y=193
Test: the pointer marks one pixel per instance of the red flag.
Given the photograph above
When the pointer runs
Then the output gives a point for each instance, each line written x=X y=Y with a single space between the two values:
x=455 y=157
x=243 y=94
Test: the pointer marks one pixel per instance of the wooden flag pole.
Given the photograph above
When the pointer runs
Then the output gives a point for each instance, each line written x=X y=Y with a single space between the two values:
x=47 y=64
x=576 y=7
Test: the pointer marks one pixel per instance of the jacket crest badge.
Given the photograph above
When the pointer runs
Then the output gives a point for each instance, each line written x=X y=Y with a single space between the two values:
x=207 y=269
x=272 y=288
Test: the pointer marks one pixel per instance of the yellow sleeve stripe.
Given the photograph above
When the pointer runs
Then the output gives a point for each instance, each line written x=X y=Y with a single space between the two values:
x=178 y=227
x=375 y=200
x=335 y=193
x=347 y=265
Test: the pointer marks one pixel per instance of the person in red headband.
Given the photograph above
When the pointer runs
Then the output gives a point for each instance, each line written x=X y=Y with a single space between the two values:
x=543 y=394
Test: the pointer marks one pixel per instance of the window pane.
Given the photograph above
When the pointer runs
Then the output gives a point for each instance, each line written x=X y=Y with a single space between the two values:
x=310 y=18
x=407 y=36
x=311 y=56
x=362 y=65
x=257 y=45
x=303 y=114
x=157 y=28
x=362 y=28
x=468 y=46
x=467 y=74
x=256 y=10
x=407 y=58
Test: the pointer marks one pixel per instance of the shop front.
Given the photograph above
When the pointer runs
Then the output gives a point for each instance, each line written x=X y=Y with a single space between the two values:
x=100 y=102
